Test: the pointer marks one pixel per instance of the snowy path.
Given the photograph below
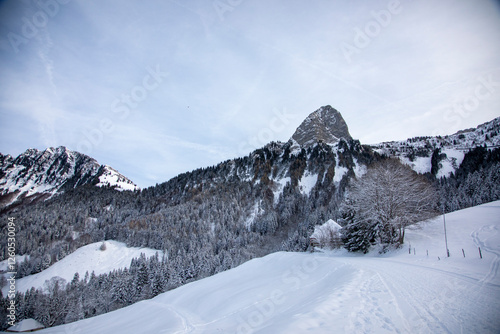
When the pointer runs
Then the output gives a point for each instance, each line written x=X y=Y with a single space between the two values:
x=339 y=292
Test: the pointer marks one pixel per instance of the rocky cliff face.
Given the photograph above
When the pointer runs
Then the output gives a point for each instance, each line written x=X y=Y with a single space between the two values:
x=325 y=124
x=34 y=174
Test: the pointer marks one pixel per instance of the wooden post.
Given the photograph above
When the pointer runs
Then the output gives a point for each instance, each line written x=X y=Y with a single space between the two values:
x=480 y=255
x=445 y=237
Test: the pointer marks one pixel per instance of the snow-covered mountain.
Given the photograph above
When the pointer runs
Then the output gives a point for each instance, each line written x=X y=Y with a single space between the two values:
x=421 y=291
x=448 y=150
x=41 y=174
x=215 y=218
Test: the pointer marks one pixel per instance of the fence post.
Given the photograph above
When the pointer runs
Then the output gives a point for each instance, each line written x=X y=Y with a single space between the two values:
x=463 y=252
x=480 y=255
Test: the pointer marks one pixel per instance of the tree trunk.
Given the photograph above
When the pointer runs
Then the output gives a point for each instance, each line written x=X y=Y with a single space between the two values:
x=401 y=235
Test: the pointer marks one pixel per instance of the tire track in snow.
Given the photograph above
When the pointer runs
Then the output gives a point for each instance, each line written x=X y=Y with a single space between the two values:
x=377 y=306
x=427 y=321
x=495 y=264
x=440 y=302
x=462 y=277
x=372 y=312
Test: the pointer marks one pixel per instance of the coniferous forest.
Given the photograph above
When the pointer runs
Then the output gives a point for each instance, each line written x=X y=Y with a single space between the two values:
x=207 y=221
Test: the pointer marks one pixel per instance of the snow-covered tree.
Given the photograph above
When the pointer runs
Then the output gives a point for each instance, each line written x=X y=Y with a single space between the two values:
x=382 y=203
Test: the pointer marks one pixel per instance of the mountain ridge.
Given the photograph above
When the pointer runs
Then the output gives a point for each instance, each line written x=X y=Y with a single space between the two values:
x=20 y=181
x=447 y=151
x=36 y=174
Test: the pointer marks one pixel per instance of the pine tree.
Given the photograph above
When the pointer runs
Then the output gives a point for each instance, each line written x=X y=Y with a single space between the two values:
x=359 y=236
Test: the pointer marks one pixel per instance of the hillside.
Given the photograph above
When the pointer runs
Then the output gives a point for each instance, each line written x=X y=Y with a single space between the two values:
x=449 y=150
x=38 y=174
x=89 y=258
x=338 y=292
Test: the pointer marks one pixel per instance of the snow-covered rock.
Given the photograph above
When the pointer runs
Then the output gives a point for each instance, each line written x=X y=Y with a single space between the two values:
x=35 y=174
x=417 y=152
x=325 y=124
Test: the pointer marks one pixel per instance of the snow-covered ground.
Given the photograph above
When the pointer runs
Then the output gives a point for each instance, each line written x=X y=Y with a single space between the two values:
x=87 y=258
x=111 y=177
x=336 y=292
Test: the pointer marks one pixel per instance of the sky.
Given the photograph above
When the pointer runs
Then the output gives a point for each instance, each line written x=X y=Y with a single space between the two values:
x=158 y=88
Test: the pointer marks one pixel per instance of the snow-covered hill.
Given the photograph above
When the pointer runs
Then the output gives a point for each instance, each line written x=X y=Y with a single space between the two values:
x=414 y=290
x=417 y=152
x=87 y=258
x=37 y=173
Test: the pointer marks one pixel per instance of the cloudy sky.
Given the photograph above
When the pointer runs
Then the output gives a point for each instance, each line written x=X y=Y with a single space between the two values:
x=156 y=88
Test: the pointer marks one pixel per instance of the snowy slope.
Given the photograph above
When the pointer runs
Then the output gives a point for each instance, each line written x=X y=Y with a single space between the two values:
x=417 y=152
x=110 y=177
x=339 y=292
x=36 y=173
x=87 y=258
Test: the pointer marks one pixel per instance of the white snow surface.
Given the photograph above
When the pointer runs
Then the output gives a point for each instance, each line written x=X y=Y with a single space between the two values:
x=359 y=169
x=453 y=159
x=113 y=178
x=87 y=258
x=338 y=292
x=279 y=185
x=339 y=173
x=421 y=165
x=307 y=183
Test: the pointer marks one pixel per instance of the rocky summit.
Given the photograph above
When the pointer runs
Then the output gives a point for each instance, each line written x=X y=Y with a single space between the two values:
x=325 y=124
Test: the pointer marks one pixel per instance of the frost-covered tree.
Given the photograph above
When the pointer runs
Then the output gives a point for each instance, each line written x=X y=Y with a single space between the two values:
x=382 y=203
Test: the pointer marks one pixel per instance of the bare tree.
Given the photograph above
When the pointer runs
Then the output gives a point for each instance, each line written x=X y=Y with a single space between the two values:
x=388 y=198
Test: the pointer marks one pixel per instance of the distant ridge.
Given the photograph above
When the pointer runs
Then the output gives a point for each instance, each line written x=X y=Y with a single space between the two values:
x=34 y=174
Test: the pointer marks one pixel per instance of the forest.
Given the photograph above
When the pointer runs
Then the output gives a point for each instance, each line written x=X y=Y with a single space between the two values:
x=201 y=220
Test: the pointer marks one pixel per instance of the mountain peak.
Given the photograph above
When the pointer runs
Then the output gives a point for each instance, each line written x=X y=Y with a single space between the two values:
x=325 y=124
x=36 y=173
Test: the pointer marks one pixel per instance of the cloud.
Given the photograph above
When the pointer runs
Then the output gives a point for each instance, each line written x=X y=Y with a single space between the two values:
x=228 y=75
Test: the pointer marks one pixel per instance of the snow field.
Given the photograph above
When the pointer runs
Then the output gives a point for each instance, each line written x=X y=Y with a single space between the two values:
x=339 y=292
x=87 y=258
